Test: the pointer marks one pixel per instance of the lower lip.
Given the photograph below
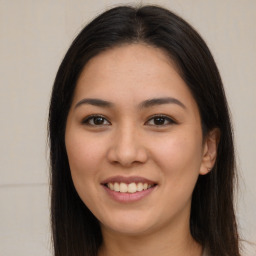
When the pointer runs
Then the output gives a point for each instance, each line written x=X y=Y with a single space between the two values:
x=128 y=197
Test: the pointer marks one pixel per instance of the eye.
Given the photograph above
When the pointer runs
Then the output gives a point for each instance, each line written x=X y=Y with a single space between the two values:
x=96 y=120
x=160 y=120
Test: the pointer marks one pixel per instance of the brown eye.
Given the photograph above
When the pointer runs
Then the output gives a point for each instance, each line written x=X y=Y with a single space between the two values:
x=160 y=121
x=96 y=121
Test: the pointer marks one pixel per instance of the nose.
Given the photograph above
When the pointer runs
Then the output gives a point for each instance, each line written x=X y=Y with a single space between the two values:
x=127 y=147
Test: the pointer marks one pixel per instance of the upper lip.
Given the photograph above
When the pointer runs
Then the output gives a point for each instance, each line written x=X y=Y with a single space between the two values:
x=127 y=180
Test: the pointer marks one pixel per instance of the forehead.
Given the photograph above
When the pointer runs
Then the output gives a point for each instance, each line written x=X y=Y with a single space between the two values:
x=120 y=57
x=133 y=72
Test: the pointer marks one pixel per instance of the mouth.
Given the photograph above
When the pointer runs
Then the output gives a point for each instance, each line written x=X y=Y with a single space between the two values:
x=127 y=189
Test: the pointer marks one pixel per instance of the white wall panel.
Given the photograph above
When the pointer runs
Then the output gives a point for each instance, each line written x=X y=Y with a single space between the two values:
x=24 y=221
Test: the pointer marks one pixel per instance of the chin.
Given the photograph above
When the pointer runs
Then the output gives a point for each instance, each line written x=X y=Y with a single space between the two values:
x=130 y=230
x=131 y=225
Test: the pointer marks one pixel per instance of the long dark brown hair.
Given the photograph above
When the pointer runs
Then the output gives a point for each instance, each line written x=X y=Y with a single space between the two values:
x=76 y=232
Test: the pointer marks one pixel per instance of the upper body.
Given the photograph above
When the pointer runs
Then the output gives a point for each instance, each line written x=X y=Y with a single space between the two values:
x=141 y=143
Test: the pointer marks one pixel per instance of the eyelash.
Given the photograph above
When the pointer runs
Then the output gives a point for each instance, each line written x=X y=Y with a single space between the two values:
x=163 y=118
x=87 y=120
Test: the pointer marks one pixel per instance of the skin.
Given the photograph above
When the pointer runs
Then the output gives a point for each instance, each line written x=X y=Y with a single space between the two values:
x=128 y=142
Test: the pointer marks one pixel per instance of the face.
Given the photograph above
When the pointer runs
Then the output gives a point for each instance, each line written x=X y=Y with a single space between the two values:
x=134 y=140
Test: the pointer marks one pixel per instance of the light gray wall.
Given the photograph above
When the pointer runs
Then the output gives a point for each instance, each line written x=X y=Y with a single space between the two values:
x=34 y=35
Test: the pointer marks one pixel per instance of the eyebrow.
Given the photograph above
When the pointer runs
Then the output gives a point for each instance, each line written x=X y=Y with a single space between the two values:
x=161 y=101
x=144 y=104
x=95 y=102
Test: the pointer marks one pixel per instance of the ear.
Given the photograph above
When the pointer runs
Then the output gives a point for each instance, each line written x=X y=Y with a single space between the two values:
x=209 y=151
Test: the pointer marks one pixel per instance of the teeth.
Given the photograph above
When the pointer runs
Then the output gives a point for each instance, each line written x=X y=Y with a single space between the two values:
x=116 y=187
x=130 y=188
x=123 y=188
x=140 y=187
x=111 y=186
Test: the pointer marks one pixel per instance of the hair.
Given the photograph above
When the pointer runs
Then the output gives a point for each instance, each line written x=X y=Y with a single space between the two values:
x=75 y=230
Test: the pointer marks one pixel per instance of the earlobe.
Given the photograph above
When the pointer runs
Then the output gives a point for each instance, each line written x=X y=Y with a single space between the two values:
x=210 y=148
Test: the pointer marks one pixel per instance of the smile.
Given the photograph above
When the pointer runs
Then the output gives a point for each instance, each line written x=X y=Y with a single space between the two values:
x=128 y=188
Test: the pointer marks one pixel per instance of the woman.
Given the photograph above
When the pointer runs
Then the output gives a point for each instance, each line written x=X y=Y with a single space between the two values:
x=142 y=155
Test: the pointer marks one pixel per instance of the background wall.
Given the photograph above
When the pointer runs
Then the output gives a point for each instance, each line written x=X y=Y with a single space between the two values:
x=34 y=36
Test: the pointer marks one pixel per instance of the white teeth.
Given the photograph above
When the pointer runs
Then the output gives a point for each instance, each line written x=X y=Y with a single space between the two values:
x=111 y=186
x=123 y=187
x=116 y=187
x=140 y=187
x=130 y=188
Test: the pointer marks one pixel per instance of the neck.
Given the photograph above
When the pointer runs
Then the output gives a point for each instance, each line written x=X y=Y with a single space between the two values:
x=175 y=243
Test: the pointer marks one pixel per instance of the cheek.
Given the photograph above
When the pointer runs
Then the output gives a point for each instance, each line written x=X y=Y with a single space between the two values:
x=179 y=156
x=84 y=153
x=179 y=160
x=85 y=158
